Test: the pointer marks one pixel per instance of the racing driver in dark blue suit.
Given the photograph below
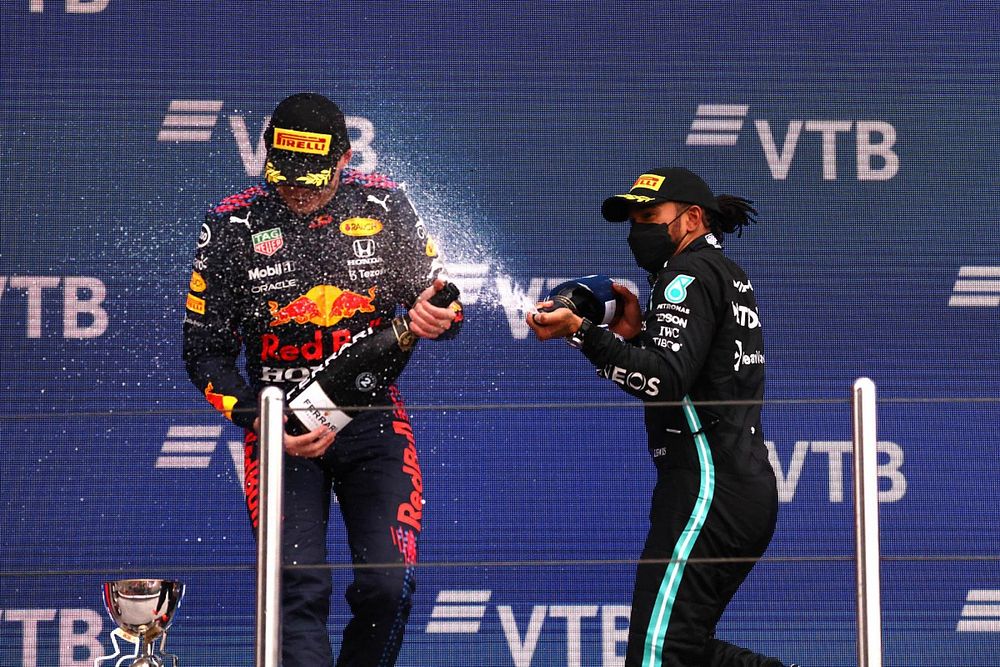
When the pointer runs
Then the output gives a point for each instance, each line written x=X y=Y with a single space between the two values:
x=287 y=272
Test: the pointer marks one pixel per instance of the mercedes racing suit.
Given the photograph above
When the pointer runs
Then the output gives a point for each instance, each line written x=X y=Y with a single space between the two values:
x=715 y=495
x=289 y=291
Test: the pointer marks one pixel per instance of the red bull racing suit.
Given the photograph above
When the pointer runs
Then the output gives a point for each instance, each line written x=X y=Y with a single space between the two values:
x=715 y=495
x=288 y=291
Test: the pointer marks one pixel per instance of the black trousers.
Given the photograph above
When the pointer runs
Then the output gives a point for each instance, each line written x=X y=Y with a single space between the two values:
x=677 y=604
x=372 y=467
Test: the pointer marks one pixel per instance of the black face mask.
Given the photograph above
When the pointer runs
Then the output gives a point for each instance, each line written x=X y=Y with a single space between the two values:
x=651 y=244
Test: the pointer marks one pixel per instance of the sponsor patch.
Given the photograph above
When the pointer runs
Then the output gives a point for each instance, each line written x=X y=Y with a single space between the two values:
x=360 y=227
x=195 y=305
x=197 y=282
x=676 y=291
x=322 y=305
x=205 y=236
x=649 y=182
x=299 y=141
x=268 y=241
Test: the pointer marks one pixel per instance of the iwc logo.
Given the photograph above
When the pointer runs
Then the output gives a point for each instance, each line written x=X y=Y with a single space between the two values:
x=365 y=382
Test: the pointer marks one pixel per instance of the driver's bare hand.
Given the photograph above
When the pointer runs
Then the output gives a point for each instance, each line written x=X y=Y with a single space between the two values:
x=309 y=445
x=557 y=323
x=628 y=323
x=426 y=320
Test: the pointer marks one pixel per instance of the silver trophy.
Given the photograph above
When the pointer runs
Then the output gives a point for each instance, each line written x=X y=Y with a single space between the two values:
x=143 y=609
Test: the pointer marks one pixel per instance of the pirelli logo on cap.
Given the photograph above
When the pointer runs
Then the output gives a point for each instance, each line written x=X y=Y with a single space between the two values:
x=302 y=142
x=649 y=182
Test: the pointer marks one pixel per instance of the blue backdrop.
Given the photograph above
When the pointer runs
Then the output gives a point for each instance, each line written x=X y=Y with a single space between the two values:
x=866 y=133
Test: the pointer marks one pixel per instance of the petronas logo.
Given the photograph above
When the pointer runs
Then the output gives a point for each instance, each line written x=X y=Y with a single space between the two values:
x=676 y=291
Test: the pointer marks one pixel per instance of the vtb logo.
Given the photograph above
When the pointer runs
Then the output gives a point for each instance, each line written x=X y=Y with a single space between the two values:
x=721 y=124
x=976 y=286
x=195 y=121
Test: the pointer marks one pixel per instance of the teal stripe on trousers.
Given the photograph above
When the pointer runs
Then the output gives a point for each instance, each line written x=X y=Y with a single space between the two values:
x=660 y=618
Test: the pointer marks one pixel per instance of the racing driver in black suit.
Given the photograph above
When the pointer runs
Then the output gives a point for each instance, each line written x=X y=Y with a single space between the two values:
x=700 y=341
x=286 y=272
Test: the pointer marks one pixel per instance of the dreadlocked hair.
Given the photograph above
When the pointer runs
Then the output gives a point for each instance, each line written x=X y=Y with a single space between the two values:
x=736 y=214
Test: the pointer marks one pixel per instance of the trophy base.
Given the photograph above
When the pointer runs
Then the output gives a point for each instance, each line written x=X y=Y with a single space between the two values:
x=148 y=661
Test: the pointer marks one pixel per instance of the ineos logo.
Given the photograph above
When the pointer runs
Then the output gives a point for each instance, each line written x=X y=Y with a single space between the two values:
x=634 y=380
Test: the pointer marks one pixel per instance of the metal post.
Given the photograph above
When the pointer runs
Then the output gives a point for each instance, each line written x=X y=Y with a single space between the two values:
x=866 y=531
x=268 y=647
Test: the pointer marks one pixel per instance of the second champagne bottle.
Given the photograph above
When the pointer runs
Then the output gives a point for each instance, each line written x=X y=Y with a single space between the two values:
x=356 y=374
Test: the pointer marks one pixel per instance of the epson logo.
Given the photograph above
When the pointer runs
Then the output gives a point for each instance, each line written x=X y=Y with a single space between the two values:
x=721 y=124
x=271 y=271
x=195 y=121
x=670 y=318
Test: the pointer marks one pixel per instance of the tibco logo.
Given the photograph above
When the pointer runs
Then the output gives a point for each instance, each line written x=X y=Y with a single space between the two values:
x=981 y=613
x=195 y=120
x=720 y=125
x=976 y=286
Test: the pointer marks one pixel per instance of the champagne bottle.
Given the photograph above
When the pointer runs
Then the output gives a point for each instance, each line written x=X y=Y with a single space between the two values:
x=591 y=297
x=355 y=374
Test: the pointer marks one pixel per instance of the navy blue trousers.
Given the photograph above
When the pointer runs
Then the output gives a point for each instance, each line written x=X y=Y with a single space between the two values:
x=372 y=467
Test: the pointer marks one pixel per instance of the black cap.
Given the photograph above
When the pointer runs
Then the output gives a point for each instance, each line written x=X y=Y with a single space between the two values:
x=306 y=137
x=659 y=185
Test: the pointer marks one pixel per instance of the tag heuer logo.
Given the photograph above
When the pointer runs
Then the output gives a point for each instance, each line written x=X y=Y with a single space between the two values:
x=268 y=241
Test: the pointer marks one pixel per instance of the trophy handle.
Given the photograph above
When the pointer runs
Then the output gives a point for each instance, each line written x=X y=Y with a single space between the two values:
x=117 y=634
x=163 y=650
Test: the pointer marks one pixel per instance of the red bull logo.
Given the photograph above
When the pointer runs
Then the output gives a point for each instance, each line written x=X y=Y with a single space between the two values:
x=323 y=305
x=220 y=402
